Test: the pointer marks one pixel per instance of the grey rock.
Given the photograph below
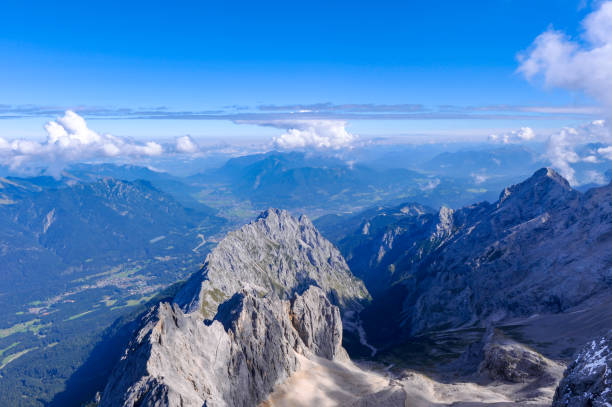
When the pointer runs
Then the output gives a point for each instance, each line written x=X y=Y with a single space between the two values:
x=498 y=358
x=510 y=361
x=177 y=359
x=541 y=248
x=588 y=379
x=276 y=253
x=318 y=324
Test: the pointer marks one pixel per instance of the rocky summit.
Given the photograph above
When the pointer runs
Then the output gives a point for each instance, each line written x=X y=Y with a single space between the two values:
x=263 y=298
x=278 y=254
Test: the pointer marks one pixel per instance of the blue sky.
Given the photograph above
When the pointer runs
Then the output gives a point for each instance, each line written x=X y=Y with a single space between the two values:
x=112 y=61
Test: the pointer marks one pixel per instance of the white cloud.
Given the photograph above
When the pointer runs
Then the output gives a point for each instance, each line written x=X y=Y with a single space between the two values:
x=70 y=140
x=594 y=177
x=606 y=152
x=309 y=133
x=578 y=64
x=479 y=178
x=592 y=159
x=187 y=145
x=560 y=152
x=516 y=136
x=581 y=64
x=561 y=147
x=430 y=185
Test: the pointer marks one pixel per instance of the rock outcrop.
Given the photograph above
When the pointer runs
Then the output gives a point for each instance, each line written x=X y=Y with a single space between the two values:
x=318 y=324
x=504 y=359
x=276 y=253
x=588 y=379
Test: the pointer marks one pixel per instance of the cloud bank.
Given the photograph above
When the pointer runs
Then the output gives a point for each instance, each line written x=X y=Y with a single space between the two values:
x=300 y=134
x=316 y=111
x=580 y=64
x=562 y=147
x=70 y=140
x=583 y=64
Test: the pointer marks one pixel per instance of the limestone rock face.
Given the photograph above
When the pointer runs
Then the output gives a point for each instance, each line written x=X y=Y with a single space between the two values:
x=276 y=253
x=588 y=379
x=318 y=325
x=251 y=345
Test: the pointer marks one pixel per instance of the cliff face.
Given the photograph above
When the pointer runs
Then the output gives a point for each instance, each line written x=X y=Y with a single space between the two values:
x=263 y=298
x=251 y=345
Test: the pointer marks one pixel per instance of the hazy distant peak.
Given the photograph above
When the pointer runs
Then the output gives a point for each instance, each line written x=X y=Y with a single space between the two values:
x=547 y=172
x=544 y=187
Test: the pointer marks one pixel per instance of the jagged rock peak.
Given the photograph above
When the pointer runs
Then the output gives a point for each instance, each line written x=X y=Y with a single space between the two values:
x=588 y=379
x=236 y=359
x=276 y=254
x=274 y=214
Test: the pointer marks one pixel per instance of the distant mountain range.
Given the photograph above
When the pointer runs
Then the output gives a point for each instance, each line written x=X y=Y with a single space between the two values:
x=68 y=226
x=319 y=185
x=491 y=162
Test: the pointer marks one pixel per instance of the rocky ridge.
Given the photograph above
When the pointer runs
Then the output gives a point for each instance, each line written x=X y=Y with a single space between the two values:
x=541 y=248
x=263 y=300
x=266 y=298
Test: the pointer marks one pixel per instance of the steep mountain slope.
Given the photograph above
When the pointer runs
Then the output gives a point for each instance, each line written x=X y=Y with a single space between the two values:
x=96 y=215
x=108 y=219
x=266 y=290
x=176 y=186
x=380 y=236
x=440 y=277
x=283 y=347
x=541 y=248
